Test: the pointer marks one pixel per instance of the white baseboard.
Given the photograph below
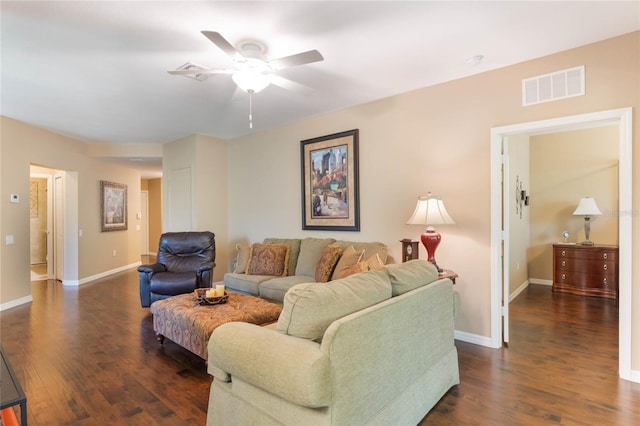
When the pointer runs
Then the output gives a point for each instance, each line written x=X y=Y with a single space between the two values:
x=76 y=283
x=518 y=290
x=13 y=303
x=540 y=281
x=634 y=376
x=476 y=339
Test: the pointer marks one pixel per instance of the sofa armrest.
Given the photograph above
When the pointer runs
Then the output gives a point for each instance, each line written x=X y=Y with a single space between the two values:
x=292 y=368
x=152 y=268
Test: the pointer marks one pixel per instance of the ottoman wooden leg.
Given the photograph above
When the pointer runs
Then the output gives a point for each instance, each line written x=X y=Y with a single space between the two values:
x=160 y=338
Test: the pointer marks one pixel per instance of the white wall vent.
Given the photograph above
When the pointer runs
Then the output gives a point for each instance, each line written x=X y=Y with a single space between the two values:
x=553 y=86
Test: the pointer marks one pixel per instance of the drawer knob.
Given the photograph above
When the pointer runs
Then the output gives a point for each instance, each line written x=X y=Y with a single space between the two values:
x=564 y=276
x=562 y=253
x=604 y=255
x=604 y=280
x=604 y=267
x=564 y=263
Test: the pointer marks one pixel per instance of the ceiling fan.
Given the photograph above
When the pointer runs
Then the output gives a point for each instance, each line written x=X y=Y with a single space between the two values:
x=253 y=71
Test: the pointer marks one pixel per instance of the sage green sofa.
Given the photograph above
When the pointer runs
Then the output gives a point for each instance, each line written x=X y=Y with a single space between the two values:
x=373 y=348
x=303 y=257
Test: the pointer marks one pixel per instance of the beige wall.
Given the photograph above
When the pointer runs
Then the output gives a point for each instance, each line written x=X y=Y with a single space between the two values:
x=436 y=139
x=154 y=187
x=565 y=167
x=23 y=145
x=203 y=162
x=519 y=214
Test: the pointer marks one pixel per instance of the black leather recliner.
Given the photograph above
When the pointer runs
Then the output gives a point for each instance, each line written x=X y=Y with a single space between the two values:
x=185 y=262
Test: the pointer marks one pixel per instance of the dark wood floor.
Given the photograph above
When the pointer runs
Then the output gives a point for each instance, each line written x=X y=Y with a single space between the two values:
x=88 y=356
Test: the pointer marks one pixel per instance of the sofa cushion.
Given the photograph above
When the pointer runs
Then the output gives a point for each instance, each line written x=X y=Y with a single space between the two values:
x=276 y=288
x=268 y=259
x=294 y=245
x=242 y=258
x=369 y=248
x=244 y=283
x=327 y=263
x=310 y=251
x=410 y=275
x=310 y=308
x=350 y=256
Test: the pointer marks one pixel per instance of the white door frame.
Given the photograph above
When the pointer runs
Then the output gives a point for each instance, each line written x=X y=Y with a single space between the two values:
x=621 y=117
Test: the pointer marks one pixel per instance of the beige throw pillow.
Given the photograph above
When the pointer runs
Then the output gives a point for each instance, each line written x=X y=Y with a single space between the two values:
x=242 y=258
x=356 y=269
x=375 y=263
x=350 y=257
x=268 y=259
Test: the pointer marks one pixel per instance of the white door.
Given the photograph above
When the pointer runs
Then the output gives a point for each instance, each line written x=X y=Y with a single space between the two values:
x=58 y=227
x=144 y=223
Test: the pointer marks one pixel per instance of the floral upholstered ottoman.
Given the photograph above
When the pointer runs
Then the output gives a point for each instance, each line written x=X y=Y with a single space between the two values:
x=184 y=321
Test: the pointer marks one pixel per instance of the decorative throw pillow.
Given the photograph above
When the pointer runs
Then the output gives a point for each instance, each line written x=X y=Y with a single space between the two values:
x=375 y=263
x=242 y=258
x=350 y=257
x=268 y=259
x=326 y=263
x=356 y=269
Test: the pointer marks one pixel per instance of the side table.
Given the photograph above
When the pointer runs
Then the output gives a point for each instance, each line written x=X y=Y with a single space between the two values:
x=448 y=273
x=11 y=392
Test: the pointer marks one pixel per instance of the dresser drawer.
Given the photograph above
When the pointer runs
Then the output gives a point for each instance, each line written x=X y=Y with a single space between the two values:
x=587 y=266
x=586 y=270
x=589 y=255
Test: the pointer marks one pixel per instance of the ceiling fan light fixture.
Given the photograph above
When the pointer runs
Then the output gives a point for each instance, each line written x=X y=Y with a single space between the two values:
x=250 y=81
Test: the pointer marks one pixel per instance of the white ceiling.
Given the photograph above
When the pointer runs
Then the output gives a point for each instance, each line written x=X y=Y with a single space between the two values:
x=97 y=71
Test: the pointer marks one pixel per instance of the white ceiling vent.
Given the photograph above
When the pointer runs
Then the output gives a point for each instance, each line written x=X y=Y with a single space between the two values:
x=553 y=86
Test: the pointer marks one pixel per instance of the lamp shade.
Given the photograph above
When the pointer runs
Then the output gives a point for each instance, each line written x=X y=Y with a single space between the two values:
x=587 y=207
x=430 y=210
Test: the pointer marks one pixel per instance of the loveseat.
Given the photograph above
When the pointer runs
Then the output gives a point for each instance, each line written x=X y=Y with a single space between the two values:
x=270 y=268
x=374 y=348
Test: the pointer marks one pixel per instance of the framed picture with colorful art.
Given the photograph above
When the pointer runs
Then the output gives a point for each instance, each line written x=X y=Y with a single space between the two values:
x=330 y=195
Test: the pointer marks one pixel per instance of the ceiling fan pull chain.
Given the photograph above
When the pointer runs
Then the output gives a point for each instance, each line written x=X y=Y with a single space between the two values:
x=250 y=109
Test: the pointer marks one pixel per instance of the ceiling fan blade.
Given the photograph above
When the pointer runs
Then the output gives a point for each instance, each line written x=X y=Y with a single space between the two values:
x=287 y=84
x=217 y=39
x=295 y=60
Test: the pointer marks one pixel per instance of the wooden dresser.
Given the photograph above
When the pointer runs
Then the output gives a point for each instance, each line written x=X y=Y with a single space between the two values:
x=586 y=270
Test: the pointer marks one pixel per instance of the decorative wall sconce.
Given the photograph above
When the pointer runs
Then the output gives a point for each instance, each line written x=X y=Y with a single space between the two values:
x=522 y=199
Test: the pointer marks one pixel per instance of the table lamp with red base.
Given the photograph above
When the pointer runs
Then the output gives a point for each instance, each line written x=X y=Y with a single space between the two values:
x=430 y=211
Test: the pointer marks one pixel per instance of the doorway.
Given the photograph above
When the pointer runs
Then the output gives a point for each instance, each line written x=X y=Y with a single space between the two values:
x=39 y=225
x=500 y=241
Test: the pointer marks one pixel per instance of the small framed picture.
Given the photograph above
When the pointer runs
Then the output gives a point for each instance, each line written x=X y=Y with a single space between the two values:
x=113 y=206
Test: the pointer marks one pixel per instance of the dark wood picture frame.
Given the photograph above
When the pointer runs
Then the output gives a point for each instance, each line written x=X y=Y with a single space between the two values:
x=113 y=206
x=330 y=190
